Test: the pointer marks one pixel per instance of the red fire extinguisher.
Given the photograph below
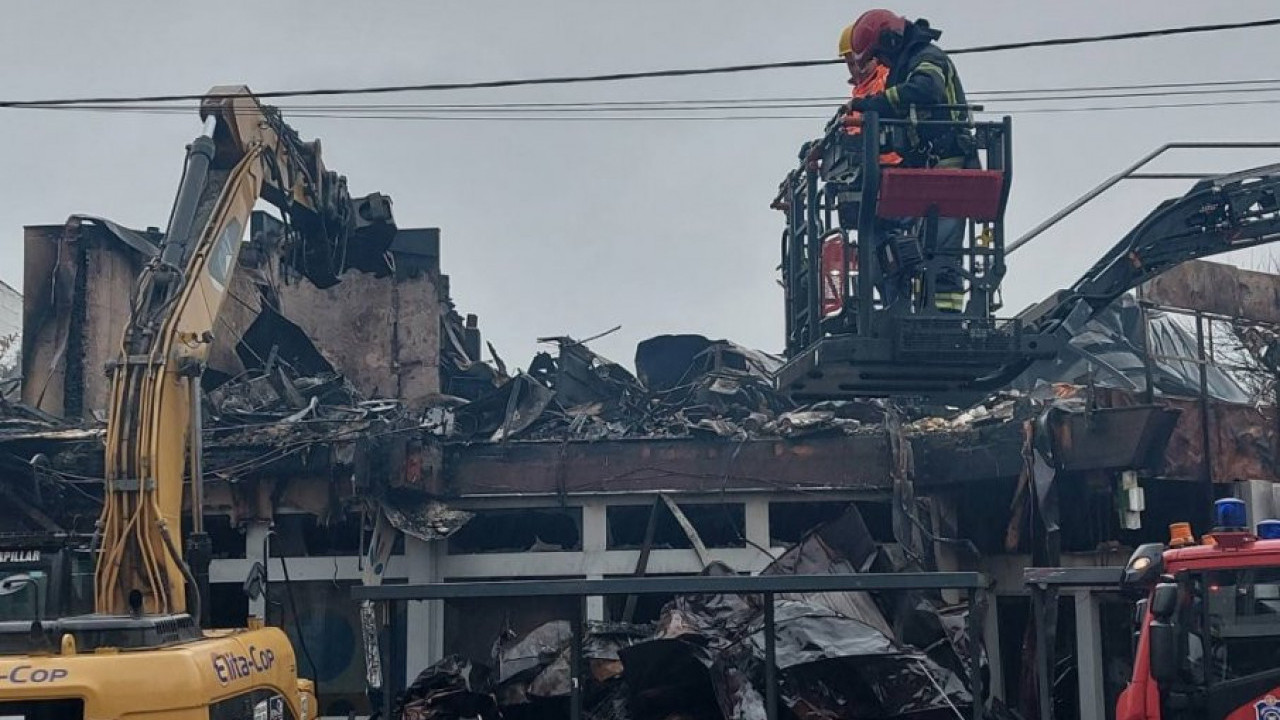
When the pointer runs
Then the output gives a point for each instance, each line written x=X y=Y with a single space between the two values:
x=834 y=286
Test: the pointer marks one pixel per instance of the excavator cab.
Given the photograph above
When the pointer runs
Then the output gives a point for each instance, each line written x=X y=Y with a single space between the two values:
x=863 y=253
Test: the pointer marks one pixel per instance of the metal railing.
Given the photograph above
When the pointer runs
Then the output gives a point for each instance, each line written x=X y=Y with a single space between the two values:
x=1131 y=173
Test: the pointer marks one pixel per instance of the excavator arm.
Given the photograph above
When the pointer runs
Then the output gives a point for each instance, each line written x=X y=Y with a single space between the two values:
x=246 y=153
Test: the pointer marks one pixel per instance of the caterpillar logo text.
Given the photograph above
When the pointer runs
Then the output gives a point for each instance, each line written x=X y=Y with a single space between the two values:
x=23 y=674
x=230 y=666
x=19 y=556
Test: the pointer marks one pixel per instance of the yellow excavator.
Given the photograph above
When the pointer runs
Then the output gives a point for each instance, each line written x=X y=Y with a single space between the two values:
x=144 y=652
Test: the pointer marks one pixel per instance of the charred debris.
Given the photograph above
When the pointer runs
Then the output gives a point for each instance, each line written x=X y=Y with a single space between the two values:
x=884 y=655
x=685 y=386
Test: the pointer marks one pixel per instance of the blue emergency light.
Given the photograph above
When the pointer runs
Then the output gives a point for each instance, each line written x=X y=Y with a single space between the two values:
x=1230 y=514
x=1269 y=530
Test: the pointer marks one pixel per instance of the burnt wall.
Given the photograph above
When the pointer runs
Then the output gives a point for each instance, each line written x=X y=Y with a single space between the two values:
x=382 y=333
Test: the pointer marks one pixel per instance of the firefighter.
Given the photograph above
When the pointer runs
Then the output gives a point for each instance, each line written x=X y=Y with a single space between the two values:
x=922 y=79
x=867 y=80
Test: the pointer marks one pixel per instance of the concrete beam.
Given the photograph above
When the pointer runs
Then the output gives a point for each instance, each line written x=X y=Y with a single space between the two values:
x=345 y=567
x=841 y=462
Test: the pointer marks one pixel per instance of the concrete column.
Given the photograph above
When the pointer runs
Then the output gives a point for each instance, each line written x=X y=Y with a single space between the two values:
x=595 y=541
x=424 y=620
x=757 y=524
x=991 y=639
x=943 y=514
x=1089 y=667
x=255 y=536
x=1258 y=498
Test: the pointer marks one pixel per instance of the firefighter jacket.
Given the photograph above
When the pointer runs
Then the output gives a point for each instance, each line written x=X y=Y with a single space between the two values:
x=921 y=78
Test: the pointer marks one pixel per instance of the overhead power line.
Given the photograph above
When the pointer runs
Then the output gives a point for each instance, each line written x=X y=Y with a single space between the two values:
x=1227 y=87
x=615 y=77
x=516 y=118
x=682 y=109
x=1104 y=91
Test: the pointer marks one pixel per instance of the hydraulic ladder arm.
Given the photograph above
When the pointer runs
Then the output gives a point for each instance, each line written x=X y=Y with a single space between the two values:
x=247 y=152
x=1219 y=214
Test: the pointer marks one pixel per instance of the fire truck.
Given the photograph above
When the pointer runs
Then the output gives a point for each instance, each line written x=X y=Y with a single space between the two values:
x=1206 y=624
x=1209 y=639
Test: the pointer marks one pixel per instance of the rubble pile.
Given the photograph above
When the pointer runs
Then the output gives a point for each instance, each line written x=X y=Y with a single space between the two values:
x=684 y=386
x=837 y=654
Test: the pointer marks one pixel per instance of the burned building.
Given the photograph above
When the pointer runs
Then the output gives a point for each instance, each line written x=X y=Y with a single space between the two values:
x=334 y=413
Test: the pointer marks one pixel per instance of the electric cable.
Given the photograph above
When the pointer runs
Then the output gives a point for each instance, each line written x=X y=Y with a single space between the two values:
x=1103 y=91
x=625 y=76
x=667 y=105
x=297 y=625
x=666 y=110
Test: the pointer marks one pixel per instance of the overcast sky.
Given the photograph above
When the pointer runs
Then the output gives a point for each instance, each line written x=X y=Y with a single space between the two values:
x=573 y=227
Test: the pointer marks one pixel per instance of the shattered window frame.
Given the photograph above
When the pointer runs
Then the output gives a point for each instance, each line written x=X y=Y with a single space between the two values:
x=478 y=533
x=669 y=535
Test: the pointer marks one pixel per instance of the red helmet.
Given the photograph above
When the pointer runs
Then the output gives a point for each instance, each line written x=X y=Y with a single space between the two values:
x=866 y=34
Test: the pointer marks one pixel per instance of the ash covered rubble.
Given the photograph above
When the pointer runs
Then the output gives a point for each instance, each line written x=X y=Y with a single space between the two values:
x=691 y=386
x=684 y=386
x=887 y=655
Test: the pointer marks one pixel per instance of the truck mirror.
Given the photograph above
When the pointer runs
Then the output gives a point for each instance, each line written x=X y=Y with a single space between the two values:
x=1164 y=601
x=1164 y=656
x=1140 y=612
x=1144 y=567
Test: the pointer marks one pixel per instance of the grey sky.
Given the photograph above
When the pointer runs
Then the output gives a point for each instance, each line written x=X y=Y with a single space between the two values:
x=574 y=227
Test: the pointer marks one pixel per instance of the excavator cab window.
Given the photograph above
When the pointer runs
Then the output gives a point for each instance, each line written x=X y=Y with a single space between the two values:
x=23 y=596
x=67 y=709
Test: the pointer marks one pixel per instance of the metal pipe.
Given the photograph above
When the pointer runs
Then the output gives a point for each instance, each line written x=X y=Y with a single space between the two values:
x=770 y=660
x=389 y=687
x=642 y=564
x=678 y=585
x=199 y=545
x=1275 y=408
x=1206 y=417
x=1148 y=369
x=869 y=271
x=1172 y=176
x=575 y=658
x=813 y=272
x=973 y=629
x=1127 y=172
x=197 y=452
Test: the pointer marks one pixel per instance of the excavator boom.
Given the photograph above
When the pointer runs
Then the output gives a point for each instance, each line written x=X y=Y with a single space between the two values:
x=246 y=153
